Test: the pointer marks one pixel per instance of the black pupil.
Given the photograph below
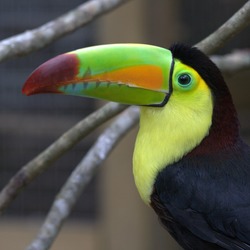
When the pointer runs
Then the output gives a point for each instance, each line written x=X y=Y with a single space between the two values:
x=184 y=79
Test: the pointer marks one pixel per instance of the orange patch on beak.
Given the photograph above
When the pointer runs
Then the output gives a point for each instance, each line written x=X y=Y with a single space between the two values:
x=146 y=77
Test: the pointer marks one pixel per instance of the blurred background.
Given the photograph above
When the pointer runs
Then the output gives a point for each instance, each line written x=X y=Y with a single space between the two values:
x=109 y=214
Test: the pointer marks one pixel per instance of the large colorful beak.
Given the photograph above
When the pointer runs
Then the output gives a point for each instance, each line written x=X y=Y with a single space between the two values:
x=125 y=73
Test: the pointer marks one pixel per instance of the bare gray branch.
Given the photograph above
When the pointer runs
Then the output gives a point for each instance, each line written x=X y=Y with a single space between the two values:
x=234 y=62
x=239 y=21
x=38 y=38
x=81 y=176
x=39 y=164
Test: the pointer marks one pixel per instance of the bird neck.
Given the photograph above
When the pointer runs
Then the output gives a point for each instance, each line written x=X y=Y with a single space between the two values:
x=203 y=125
x=165 y=136
x=224 y=131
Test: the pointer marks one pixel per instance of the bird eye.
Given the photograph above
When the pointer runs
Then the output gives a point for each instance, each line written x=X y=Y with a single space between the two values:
x=184 y=80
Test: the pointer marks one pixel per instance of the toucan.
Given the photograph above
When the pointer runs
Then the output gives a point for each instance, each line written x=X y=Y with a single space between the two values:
x=190 y=163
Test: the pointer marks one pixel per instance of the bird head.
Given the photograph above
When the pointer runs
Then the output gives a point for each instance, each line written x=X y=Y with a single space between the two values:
x=125 y=73
x=132 y=74
x=182 y=95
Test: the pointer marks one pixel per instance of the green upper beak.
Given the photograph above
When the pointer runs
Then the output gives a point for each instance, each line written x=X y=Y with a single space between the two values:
x=125 y=73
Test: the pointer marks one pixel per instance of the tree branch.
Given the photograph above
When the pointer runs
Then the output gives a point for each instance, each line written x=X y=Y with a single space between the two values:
x=234 y=62
x=38 y=38
x=81 y=176
x=239 y=21
x=39 y=164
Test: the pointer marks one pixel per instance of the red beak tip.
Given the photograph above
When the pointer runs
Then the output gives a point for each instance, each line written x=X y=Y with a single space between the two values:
x=25 y=92
x=49 y=75
x=28 y=87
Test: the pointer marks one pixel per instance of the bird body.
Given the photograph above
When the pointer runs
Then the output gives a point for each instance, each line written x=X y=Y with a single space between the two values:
x=203 y=200
x=190 y=163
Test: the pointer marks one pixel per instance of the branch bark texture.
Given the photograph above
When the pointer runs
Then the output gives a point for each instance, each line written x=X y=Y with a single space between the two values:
x=234 y=62
x=38 y=38
x=39 y=164
x=81 y=176
x=239 y=21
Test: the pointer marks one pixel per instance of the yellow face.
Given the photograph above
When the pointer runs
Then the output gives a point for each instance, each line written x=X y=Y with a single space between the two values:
x=188 y=87
x=166 y=134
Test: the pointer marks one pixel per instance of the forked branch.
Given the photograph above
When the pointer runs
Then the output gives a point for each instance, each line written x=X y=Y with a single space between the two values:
x=81 y=176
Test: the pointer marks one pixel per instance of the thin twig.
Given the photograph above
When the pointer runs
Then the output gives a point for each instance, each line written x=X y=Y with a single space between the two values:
x=81 y=176
x=239 y=21
x=32 y=40
x=39 y=164
x=234 y=62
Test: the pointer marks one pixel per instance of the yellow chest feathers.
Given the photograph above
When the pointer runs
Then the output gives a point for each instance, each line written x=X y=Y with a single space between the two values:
x=166 y=134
